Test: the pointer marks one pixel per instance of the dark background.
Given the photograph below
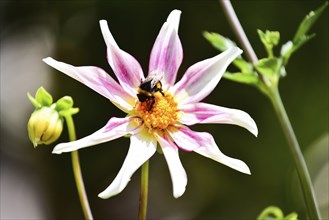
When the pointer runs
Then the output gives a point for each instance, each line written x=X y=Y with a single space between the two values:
x=36 y=184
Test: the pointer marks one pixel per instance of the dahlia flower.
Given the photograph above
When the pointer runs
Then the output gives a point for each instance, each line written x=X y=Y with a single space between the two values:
x=163 y=116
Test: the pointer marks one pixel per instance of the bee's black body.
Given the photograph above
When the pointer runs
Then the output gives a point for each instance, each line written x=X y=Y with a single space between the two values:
x=147 y=88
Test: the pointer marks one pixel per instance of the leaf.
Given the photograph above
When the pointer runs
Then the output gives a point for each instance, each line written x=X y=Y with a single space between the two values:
x=246 y=78
x=243 y=65
x=308 y=22
x=43 y=97
x=269 y=66
x=269 y=38
x=69 y=112
x=64 y=103
x=218 y=41
x=290 y=47
x=34 y=101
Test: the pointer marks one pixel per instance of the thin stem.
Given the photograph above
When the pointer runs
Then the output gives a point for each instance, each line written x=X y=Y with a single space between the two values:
x=77 y=171
x=301 y=167
x=144 y=191
x=238 y=30
x=273 y=94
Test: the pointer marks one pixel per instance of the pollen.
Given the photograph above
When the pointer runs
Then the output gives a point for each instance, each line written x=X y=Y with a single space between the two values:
x=158 y=112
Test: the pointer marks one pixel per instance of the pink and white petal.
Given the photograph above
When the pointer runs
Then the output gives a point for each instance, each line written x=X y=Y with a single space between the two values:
x=202 y=113
x=125 y=67
x=98 y=80
x=201 y=78
x=211 y=150
x=176 y=169
x=203 y=143
x=184 y=137
x=142 y=147
x=167 y=52
x=115 y=128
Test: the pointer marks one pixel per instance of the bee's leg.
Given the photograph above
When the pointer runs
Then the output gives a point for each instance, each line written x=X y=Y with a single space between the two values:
x=153 y=101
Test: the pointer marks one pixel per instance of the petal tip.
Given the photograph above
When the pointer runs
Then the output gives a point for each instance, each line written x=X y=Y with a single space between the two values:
x=102 y=22
x=47 y=59
x=56 y=151
x=244 y=168
x=174 y=18
x=180 y=193
x=102 y=195
x=236 y=50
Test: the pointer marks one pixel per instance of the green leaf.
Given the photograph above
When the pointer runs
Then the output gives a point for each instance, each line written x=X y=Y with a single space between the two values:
x=64 y=103
x=269 y=38
x=269 y=66
x=308 y=22
x=69 y=112
x=43 y=97
x=291 y=216
x=271 y=212
x=290 y=47
x=218 y=41
x=243 y=65
x=34 y=101
x=246 y=78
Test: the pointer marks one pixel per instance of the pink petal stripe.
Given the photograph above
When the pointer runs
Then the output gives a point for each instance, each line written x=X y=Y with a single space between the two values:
x=142 y=147
x=185 y=138
x=125 y=67
x=210 y=150
x=167 y=52
x=202 y=113
x=98 y=80
x=115 y=128
x=177 y=171
x=201 y=78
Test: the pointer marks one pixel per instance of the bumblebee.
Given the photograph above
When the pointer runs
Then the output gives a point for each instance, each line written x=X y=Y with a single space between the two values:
x=148 y=87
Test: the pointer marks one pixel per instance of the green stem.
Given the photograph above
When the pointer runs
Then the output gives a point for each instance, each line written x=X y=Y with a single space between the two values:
x=274 y=95
x=144 y=191
x=77 y=171
x=302 y=171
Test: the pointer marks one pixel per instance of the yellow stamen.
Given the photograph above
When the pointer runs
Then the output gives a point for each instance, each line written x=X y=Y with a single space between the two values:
x=158 y=113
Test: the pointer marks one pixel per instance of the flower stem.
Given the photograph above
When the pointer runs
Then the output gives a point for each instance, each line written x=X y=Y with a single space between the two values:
x=77 y=171
x=304 y=176
x=144 y=191
x=238 y=30
x=273 y=94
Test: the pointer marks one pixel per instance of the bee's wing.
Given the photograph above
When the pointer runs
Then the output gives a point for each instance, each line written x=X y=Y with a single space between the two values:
x=155 y=78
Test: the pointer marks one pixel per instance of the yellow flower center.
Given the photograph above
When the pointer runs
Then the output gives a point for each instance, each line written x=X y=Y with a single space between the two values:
x=159 y=111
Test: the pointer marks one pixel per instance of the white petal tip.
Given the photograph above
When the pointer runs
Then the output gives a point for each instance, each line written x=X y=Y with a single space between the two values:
x=174 y=18
x=108 y=38
x=102 y=22
x=102 y=195
x=177 y=195
x=236 y=50
x=47 y=59
x=55 y=151
x=243 y=168
x=175 y=12
x=255 y=132
x=60 y=148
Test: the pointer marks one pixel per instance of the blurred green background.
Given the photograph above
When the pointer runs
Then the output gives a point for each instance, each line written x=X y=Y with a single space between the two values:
x=38 y=185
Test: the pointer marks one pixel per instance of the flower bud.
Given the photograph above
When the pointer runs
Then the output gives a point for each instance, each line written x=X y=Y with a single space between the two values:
x=45 y=126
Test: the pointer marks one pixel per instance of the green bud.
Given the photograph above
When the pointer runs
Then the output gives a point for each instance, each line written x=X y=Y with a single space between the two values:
x=45 y=126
